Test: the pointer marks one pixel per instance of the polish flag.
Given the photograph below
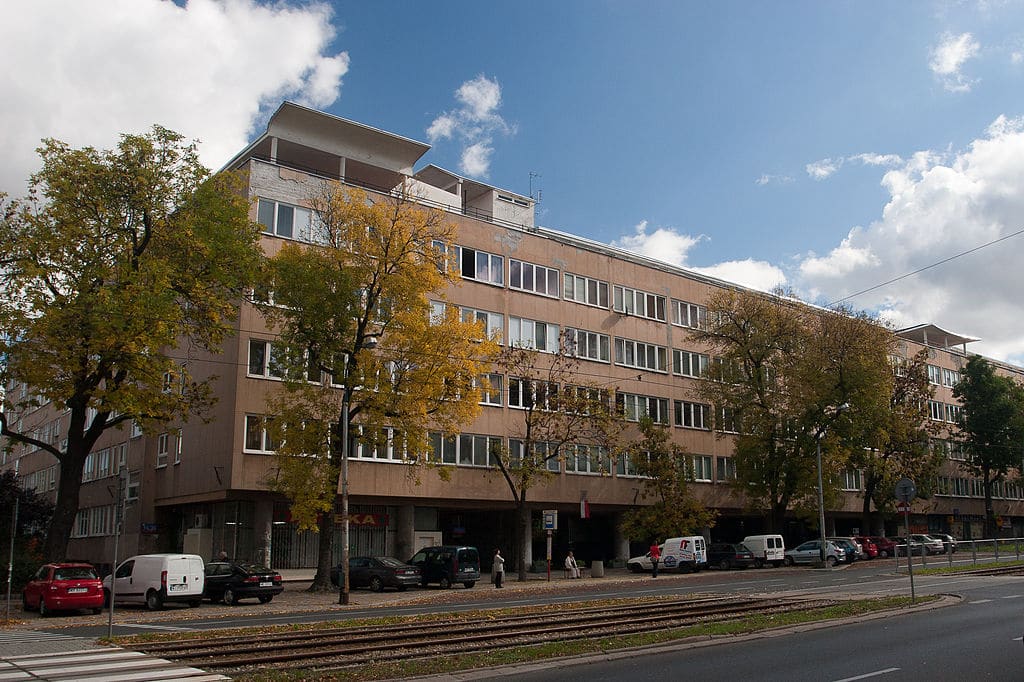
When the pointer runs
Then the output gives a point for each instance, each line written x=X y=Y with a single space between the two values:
x=584 y=509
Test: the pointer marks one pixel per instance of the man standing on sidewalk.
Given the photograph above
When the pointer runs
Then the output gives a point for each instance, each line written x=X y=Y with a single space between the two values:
x=655 y=558
x=498 y=568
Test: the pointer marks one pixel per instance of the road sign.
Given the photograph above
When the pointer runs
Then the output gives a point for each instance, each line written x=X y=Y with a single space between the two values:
x=905 y=490
x=902 y=507
x=550 y=519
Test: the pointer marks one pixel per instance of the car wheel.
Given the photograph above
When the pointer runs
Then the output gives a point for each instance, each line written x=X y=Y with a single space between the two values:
x=445 y=583
x=788 y=561
x=758 y=563
x=44 y=611
x=469 y=583
x=724 y=564
x=376 y=584
x=229 y=597
x=831 y=561
x=154 y=601
x=882 y=554
x=265 y=599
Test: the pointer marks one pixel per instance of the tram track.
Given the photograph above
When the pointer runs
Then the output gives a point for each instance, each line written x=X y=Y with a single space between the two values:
x=336 y=648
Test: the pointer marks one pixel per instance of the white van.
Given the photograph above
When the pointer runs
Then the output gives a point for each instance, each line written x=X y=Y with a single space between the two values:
x=767 y=549
x=155 y=579
x=685 y=554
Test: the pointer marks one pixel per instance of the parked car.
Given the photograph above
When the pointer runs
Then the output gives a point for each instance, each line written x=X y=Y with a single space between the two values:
x=870 y=549
x=852 y=548
x=447 y=564
x=886 y=546
x=767 y=549
x=919 y=544
x=948 y=542
x=378 y=573
x=726 y=555
x=230 y=581
x=154 y=579
x=63 y=587
x=810 y=552
x=642 y=564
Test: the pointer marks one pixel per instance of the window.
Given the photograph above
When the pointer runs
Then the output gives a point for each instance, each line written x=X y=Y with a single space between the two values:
x=852 y=479
x=692 y=415
x=481 y=266
x=726 y=469
x=390 y=444
x=263 y=359
x=525 y=333
x=688 y=364
x=588 y=345
x=633 y=407
x=87 y=468
x=494 y=323
x=136 y=429
x=256 y=437
x=476 y=450
x=689 y=314
x=641 y=355
x=899 y=365
x=936 y=410
x=953 y=413
x=534 y=278
x=103 y=468
x=585 y=290
x=284 y=220
x=131 y=492
x=702 y=468
x=543 y=452
x=162 y=450
x=491 y=389
x=524 y=393
x=728 y=420
x=586 y=459
x=177 y=447
x=121 y=457
x=442 y=448
x=950 y=378
x=934 y=374
x=640 y=303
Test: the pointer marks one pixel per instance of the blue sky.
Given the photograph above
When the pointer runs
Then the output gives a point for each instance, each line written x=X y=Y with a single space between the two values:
x=828 y=147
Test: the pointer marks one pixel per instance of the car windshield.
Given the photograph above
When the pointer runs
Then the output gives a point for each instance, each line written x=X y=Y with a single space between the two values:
x=390 y=561
x=252 y=568
x=75 y=573
x=742 y=548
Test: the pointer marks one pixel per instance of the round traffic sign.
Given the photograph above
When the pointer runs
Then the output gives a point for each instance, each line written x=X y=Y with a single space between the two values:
x=905 y=490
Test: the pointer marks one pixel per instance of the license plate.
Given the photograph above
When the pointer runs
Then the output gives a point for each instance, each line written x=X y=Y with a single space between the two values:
x=77 y=590
x=177 y=588
x=270 y=584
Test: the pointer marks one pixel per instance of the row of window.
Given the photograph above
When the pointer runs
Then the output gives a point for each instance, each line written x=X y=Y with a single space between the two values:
x=974 y=487
x=940 y=376
x=294 y=222
x=105 y=462
x=943 y=412
x=95 y=521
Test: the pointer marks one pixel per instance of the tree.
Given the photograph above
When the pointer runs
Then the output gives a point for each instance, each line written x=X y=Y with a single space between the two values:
x=563 y=419
x=783 y=368
x=116 y=258
x=991 y=425
x=34 y=512
x=367 y=281
x=668 y=470
x=898 y=443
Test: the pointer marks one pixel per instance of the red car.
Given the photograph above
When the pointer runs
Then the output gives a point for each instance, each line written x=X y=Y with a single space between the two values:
x=63 y=587
x=886 y=546
x=868 y=546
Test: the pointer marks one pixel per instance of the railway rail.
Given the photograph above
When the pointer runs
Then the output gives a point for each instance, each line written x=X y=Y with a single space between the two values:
x=336 y=648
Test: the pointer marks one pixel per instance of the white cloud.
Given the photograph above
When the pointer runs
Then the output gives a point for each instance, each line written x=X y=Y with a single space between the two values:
x=941 y=203
x=872 y=159
x=673 y=247
x=474 y=124
x=208 y=70
x=819 y=170
x=769 y=179
x=949 y=56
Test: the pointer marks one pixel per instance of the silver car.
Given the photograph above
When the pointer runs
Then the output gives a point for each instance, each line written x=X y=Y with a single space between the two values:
x=810 y=552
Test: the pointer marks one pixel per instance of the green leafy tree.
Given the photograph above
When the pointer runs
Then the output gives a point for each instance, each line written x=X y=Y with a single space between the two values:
x=34 y=512
x=563 y=418
x=115 y=259
x=898 y=444
x=785 y=368
x=991 y=425
x=361 y=347
x=667 y=470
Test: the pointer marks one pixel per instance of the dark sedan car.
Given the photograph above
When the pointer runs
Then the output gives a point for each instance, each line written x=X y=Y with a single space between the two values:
x=378 y=573
x=726 y=555
x=229 y=581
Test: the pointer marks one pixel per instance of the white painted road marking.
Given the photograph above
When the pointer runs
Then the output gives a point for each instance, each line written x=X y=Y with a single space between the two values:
x=867 y=675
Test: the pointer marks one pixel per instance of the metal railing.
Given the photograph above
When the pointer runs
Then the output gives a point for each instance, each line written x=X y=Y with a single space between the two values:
x=963 y=552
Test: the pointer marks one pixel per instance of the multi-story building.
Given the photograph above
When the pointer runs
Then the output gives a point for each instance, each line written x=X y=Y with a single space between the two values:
x=202 y=486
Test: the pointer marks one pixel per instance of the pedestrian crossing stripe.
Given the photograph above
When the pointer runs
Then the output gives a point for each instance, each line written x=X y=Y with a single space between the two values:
x=111 y=664
x=22 y=636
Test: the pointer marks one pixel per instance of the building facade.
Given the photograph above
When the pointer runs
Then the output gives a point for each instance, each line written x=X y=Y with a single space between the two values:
x=203 y=486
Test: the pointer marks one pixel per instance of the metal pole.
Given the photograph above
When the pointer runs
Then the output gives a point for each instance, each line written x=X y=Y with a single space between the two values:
x=344 y=596
x=910 y=553
x=821 y=508
x=122 y=486
x=14 y=530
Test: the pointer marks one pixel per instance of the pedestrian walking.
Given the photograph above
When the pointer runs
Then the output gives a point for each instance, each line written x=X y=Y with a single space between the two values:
x=655 y=558
x=498 y=570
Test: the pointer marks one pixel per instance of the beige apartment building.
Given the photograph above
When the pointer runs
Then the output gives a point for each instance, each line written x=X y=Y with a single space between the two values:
x=202 y=487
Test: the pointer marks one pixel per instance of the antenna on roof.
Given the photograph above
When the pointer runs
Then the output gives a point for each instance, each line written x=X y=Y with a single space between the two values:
x=537 y=197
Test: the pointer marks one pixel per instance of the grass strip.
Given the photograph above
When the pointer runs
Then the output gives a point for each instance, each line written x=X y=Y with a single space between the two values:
x=559 y=649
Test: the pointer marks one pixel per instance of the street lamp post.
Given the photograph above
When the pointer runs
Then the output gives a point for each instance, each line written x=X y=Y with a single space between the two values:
x=821 y=490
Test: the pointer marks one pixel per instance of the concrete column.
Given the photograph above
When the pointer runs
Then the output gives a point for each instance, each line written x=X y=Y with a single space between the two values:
x=263 y=530
x=273 y=150
x=621 y=542
x=405 y=531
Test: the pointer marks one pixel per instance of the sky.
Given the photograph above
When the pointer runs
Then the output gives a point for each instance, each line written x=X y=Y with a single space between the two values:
x=828 y=148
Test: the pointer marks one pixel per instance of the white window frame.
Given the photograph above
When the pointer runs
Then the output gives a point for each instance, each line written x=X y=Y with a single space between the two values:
x=640 y=355
x=265 y=445
x=634 y=406
x=535 y=279
x=690 y=415
x=852 y=480
x=691 y=315
x=494 y=323
x=628 y=301
x=488 y=268
x=687 y=363
x=702 y=468
x=274 y=211
x=936 y=411
x=533 y=334
x=493 y=393
x=585 y=290
x=725 y=469
x=588 y=345
x=162 y=449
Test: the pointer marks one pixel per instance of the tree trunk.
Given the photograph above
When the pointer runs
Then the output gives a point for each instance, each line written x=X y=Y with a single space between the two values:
x=990 y=515
x=866 y=517
x=522 y=536
x=322 y=579
x=66 y=509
